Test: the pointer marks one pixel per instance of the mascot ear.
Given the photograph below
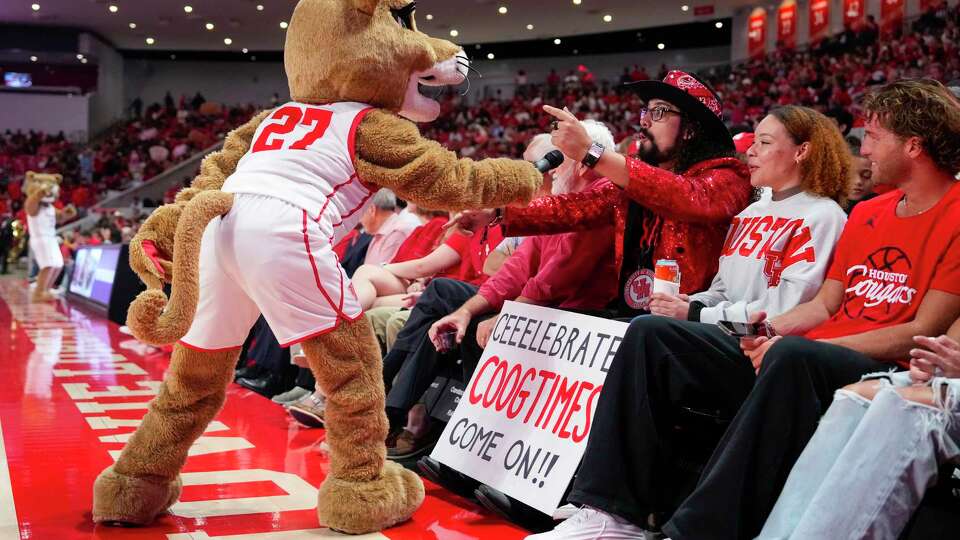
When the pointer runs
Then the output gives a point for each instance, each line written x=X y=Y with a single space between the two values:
x=366 y=6
x=30 y=175
x=58 y=178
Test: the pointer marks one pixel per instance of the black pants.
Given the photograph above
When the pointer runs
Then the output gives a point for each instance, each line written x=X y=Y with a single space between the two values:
x=749 y=467
x=413 y=363
x=663 y=367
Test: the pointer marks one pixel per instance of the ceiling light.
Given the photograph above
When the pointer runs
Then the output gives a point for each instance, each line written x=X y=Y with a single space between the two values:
x=719 y=24
x=284 y=25
x=259 y=7
x=33 y=58
x=188 y=9
x=529 y=27
x=113 y=8
x=429 y=16
x=245 y=50
x=210 y=26
x=577 y=2
x=35 y=7
x=227 y=41
x=83 y=60
x=607 y=18
x=502 y=10
x=661 y=46
x=454 y=33
x=556 y=41
x=133 y=25
x=79 y=57
x=684 y=8
x=151 y=41
x=490 y=56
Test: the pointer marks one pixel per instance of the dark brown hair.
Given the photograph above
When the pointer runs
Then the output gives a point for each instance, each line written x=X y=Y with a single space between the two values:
x=921 y=108
x=826 y=169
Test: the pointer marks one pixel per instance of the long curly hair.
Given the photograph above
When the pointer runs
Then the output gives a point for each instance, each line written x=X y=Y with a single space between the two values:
x=825 y=170
x=701 y=145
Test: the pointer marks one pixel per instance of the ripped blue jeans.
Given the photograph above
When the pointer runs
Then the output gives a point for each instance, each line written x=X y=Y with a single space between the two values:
x=869 y=464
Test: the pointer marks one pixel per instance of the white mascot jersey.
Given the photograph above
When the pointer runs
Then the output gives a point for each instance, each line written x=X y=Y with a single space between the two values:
x=297 y=195
x=44 y=224
x=303 y=154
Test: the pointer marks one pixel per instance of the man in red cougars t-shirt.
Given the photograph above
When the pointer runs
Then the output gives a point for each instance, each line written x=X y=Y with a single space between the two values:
x=895 y=275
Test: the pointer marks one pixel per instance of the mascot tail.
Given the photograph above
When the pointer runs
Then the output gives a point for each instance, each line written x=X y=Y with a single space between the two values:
x=153 y=319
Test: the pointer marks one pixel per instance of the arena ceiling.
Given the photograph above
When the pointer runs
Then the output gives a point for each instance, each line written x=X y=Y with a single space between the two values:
x=257 y=24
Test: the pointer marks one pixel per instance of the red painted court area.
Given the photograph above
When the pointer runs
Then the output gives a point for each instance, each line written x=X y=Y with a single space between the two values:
x=74 y=389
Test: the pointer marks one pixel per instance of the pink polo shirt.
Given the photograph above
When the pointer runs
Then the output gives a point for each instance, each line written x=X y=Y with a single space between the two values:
x=388 y=240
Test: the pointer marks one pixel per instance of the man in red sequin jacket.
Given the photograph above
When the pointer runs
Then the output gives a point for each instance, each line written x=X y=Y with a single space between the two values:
x=674 y=200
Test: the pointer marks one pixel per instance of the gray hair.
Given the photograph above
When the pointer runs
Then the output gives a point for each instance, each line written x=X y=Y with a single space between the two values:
x=385 y=200
x=599 y=133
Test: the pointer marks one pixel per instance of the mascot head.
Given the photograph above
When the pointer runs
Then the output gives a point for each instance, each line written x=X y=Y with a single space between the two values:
x=48 y=184
x=368 y=51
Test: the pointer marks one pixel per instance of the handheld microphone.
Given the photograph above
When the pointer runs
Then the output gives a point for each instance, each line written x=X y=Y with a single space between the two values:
x=551 y=161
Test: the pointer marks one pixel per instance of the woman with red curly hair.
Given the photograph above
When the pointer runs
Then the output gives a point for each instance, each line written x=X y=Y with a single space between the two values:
x=777 y=250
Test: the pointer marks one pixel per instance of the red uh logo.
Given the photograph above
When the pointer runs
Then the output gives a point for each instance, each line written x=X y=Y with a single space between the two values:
x=641 y=289
x=778 y=260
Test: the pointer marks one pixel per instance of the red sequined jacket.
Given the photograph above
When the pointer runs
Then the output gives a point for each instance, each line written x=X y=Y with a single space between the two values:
x=693 y=212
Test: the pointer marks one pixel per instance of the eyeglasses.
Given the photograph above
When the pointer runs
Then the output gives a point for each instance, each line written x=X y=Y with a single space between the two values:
x=656 y=113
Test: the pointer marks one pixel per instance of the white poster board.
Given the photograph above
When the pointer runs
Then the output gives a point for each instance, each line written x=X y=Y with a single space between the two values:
x=524 y=418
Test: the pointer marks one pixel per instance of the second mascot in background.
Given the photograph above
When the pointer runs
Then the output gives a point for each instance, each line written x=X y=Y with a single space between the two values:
x=254 y=233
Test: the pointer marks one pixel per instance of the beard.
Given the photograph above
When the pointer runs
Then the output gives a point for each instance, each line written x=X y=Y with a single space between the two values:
x=564 y=181
x=650 y=152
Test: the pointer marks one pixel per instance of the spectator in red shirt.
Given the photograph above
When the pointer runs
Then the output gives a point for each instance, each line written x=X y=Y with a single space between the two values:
x=574 y=270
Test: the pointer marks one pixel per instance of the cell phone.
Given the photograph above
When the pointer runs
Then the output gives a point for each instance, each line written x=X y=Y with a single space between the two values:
x=745 y=330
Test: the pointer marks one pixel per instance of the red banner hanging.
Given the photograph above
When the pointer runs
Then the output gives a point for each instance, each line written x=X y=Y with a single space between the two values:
x=757 y=32
x=819 y=19
x=891 y=15
x=787 y=24
x=853 y=12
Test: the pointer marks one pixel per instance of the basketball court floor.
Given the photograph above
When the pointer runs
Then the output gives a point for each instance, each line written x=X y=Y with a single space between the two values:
x=73 y=390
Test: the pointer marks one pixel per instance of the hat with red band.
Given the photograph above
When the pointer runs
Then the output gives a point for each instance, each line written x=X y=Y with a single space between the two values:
x=693 y=97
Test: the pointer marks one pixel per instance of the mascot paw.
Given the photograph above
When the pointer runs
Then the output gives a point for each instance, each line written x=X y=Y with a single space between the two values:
x=365 y=507
x=126 y=500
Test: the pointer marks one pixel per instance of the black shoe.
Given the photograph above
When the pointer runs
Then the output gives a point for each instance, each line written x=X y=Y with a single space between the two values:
x=444 y=476
x=513 y=510
x=269 y=385
x=252 y=371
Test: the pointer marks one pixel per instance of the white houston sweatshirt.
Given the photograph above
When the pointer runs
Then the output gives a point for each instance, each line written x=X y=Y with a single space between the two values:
x=775 y=256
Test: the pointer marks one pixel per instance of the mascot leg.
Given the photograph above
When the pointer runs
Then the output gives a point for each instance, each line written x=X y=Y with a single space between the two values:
x=145 y=479
x=363 y=492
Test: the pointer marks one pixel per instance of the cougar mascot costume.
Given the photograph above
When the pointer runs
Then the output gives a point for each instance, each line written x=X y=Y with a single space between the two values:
x=42 y=217
x=254 y=234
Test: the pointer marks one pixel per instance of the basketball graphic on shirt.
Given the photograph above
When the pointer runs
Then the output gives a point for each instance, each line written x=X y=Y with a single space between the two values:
x=878 y=285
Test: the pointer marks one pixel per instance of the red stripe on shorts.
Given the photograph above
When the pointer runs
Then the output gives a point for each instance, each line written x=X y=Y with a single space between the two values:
x=316 y=273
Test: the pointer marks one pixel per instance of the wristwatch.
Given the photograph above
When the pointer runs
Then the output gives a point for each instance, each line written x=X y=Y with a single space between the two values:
x=593 y=155
x=497 y=217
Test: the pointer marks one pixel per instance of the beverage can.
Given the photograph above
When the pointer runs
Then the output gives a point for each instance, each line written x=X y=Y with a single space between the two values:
x=667 y=270
x=666 y=277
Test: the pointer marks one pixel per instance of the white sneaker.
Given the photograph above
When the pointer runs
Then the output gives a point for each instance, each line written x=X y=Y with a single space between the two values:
x=291 y=396
x=590 y=524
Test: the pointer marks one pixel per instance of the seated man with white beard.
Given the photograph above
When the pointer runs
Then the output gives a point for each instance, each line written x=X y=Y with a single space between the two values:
x=575 y=271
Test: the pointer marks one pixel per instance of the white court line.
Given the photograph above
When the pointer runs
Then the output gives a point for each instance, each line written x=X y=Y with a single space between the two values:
x=9 y=529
